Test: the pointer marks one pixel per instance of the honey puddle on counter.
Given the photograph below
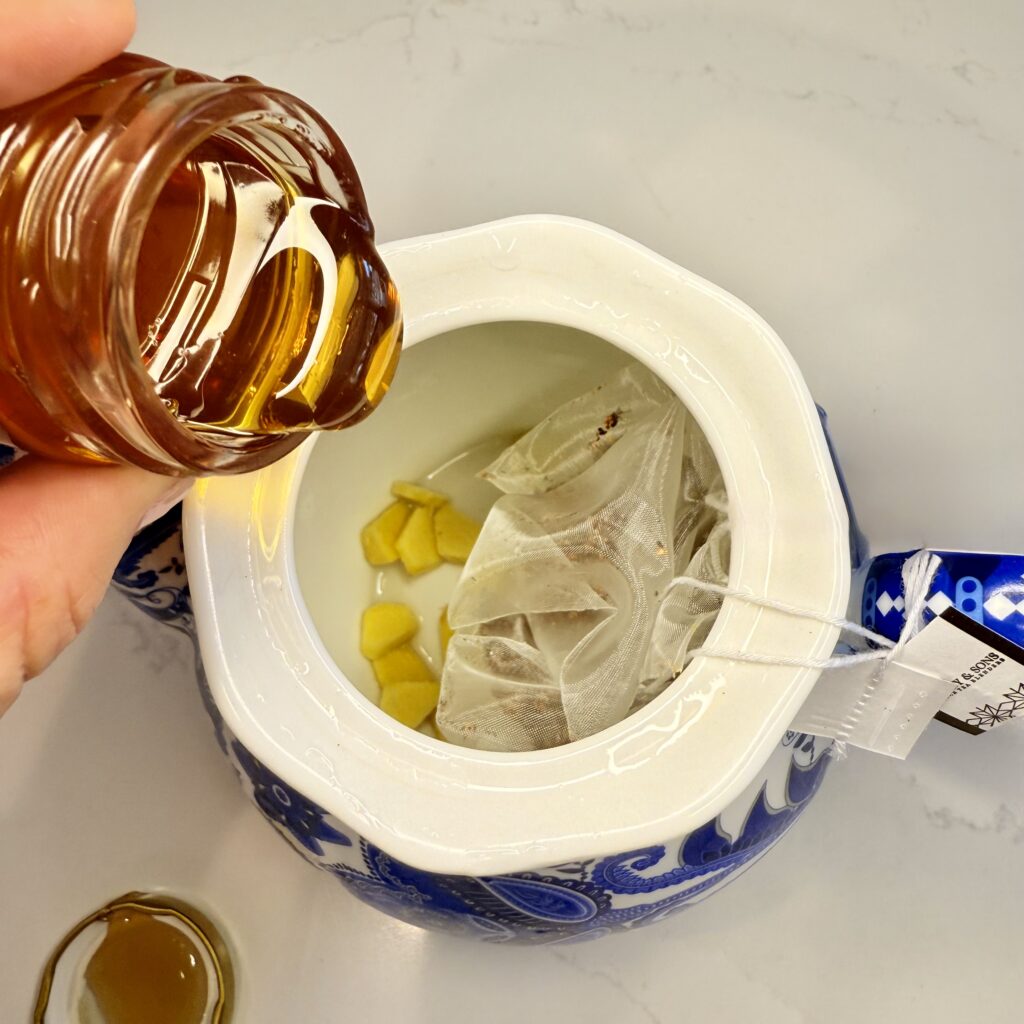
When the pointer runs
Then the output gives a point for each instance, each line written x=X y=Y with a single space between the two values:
x=141 y=958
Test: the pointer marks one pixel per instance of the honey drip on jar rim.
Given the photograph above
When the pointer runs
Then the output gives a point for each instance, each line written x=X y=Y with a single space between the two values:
x=138 y=959
x=260 y=310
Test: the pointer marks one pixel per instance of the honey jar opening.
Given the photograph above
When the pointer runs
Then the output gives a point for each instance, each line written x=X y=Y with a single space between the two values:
x=261 y=304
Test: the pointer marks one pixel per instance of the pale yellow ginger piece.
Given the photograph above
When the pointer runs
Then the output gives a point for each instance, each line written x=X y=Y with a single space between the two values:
x=385 y=627
x=410 y=702
x=418 y=495
x=402 y=665
x=379 y=535
x=416 y=545
x=456 y=534
x=446 y=632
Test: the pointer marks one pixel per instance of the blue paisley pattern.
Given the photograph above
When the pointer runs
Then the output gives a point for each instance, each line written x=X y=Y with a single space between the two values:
x=586 y=899
x=282 y=805
x=571 y=902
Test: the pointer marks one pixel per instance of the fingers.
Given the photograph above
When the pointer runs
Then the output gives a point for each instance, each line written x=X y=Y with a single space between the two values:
x=64 y=529
x=44 y=43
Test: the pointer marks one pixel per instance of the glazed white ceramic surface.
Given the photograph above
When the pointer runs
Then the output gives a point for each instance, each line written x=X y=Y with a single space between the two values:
x=660 y=772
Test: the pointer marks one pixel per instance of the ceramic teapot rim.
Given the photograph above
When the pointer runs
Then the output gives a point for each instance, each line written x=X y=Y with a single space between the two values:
x=663 y=771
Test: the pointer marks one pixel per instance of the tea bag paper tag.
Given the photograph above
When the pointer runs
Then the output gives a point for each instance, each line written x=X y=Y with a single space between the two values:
x=955 y=670
x=986 y=670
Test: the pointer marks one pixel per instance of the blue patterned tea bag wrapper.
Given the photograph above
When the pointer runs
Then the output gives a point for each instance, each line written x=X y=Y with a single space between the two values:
x=979 y=599
x=949 y=664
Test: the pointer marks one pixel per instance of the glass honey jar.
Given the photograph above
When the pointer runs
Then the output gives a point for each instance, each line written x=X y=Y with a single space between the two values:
x=188 y=276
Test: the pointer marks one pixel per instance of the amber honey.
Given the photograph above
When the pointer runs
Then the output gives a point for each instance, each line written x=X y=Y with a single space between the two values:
x=259 y=309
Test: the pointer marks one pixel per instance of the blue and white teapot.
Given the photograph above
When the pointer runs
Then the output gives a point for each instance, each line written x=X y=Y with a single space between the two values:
x=503 y=321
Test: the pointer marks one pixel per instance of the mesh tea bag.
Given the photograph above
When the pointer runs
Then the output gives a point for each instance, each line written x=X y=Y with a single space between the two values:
x=564 y=618
x=701 y=551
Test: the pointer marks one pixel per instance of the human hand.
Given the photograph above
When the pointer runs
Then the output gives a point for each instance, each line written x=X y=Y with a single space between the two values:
x=62 y=528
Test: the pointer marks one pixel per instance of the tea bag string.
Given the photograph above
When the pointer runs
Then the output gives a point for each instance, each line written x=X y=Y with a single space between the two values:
x=918 y=573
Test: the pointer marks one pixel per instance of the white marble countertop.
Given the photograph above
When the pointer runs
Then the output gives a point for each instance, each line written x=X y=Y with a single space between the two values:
x=852 y=171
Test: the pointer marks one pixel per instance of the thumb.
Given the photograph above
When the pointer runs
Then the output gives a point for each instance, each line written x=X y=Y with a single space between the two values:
x=47 y=42
x=64 y=529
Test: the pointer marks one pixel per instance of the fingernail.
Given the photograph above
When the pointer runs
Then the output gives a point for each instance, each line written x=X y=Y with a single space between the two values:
x=166 y=503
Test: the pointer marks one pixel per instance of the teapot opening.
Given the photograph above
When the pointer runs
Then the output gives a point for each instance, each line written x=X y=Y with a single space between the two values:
x=460 y=400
